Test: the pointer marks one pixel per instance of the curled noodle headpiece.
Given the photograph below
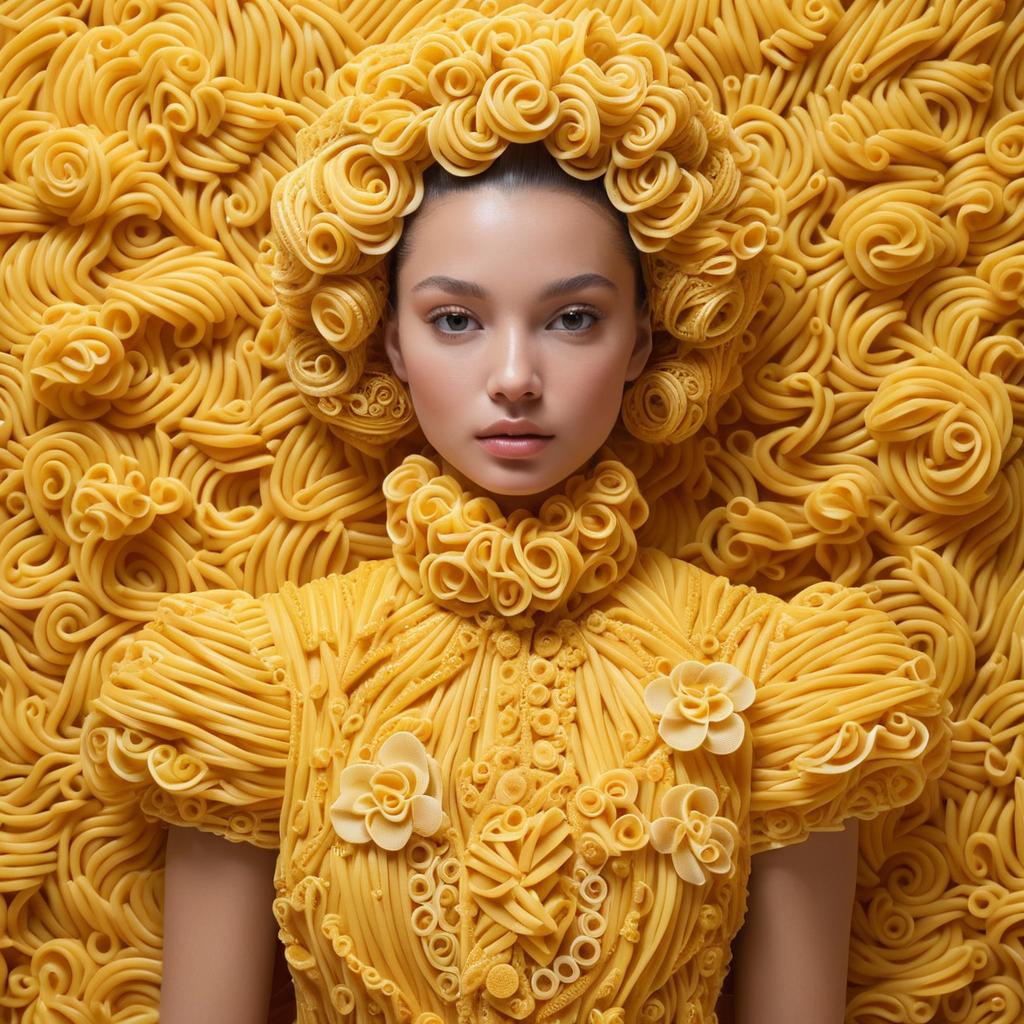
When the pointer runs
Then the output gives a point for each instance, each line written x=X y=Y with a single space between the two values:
x=458 y=92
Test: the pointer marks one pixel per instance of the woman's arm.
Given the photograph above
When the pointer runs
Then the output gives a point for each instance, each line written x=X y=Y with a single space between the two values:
x=219 y=930
x=791 y=955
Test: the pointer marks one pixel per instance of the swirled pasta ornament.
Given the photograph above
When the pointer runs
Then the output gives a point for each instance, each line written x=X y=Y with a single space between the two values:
x=457 y=92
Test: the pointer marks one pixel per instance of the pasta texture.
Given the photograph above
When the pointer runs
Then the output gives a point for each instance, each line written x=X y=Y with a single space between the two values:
x=196 y=424
x=531 y=801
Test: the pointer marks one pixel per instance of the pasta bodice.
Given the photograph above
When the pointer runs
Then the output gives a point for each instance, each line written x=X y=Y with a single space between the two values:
x=536 y=818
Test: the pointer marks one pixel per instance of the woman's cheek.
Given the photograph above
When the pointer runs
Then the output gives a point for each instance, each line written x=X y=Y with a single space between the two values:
x=435 y=383
x=596 y=388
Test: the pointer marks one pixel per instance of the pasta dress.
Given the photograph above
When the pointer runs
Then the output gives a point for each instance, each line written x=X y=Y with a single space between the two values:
x=516 y=771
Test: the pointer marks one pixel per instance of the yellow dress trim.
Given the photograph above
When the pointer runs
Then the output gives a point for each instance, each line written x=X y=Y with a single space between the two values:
x=467 y=556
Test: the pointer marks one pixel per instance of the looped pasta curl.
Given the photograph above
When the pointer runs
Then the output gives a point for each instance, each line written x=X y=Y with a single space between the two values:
x=942 y=434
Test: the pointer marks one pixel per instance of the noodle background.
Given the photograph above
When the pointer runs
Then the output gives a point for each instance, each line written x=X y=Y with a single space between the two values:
x=153 y=443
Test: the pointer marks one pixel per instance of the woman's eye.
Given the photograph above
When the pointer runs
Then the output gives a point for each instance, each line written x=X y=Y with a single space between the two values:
x=575 y=320
x=457 y=321
x=452 y=322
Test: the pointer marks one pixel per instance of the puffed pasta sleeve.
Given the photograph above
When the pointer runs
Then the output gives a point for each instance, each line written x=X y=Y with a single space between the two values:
x=847 y=721
x=194 y=720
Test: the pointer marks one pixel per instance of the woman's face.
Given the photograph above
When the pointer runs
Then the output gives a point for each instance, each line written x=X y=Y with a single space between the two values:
x=515 y=316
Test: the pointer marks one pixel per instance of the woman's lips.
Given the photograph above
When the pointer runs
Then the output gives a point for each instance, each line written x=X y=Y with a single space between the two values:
x=514 y=446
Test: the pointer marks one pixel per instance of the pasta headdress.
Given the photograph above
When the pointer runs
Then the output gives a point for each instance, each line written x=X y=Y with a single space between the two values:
x=458 y=92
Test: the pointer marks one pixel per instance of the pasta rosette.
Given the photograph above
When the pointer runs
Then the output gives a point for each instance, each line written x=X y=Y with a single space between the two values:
x=368 y=190
x=108 y=504
x=457 y=77
x=575 y=135
x=71 y=173
x=516 y=106
x=459 y=140
x=398 y=127
x=611 y=820
x=700 y=841
x=653 y=125
x=893 y=235
x=699 y=706
x=77 y=365
x=941 y=432
x=347 y=312
x=386 y=802
x=548 y=562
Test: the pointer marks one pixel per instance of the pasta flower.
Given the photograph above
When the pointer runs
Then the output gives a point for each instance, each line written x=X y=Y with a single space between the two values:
x=700 y=842
x=699 y=705
x=389 y=800
x=614 y=825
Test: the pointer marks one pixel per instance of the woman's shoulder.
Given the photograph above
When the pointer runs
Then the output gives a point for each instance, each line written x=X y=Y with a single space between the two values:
x=365 y=578
x=846 y=718
x=192 y=719
x=807 y=630
x=700 y=603
x=336 y=605
x=656 y=568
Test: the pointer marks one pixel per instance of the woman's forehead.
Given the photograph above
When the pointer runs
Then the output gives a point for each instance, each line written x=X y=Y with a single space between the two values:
x=494 y=239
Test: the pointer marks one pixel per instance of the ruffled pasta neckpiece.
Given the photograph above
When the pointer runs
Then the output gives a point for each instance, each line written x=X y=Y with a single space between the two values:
x=462 y=551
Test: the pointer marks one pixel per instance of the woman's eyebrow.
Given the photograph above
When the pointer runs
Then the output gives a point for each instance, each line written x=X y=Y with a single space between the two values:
x=455 y=286
x=572 y=284
x=452 y=285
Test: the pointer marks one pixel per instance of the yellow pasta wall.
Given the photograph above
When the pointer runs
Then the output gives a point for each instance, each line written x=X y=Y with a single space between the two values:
x=152 y=442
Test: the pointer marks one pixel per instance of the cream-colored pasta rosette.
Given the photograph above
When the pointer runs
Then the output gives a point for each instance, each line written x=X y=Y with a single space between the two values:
x=700 y=841
x=386 y=802
x=457 y=92
x=699 y=705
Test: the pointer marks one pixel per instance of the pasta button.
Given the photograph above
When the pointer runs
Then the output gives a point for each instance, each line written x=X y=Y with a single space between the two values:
x=547 y=643
x=512 y=788
x=538 y=695
x=541 y=670
x=502 y=981
x=544 y=755
x=710 y=916
x=508 y=643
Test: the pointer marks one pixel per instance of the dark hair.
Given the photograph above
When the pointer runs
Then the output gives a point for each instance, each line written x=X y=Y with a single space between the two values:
x=518 y=167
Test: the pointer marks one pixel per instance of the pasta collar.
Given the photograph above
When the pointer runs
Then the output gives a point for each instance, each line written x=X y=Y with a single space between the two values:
x=464 y=553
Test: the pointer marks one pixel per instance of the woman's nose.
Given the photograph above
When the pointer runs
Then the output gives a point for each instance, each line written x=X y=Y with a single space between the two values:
x=514 y=372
